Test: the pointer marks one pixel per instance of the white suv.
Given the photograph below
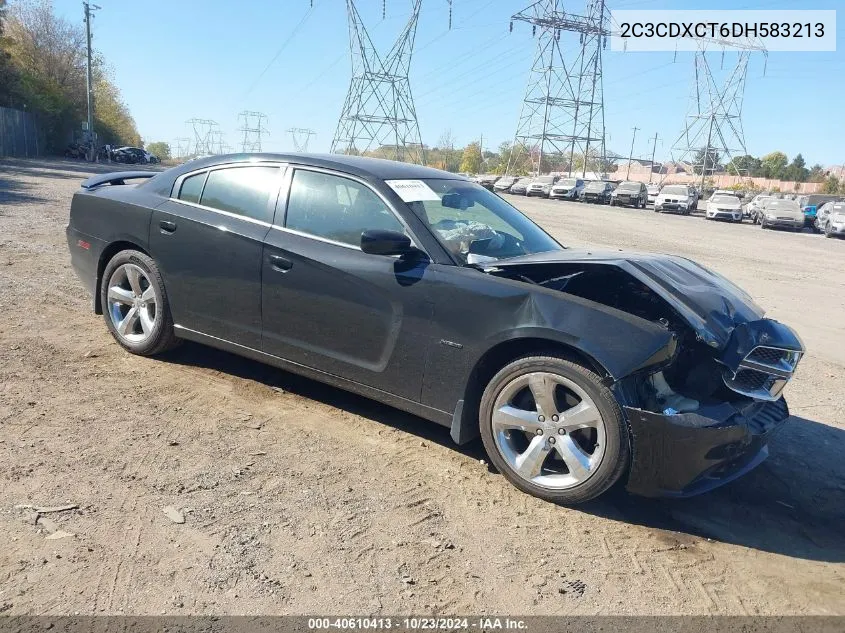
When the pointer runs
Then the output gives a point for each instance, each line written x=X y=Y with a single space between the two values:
x=676 y=198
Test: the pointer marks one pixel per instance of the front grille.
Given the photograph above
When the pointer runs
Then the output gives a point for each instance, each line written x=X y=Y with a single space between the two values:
x=767 y=355
x=763 y=373
x=752 y=380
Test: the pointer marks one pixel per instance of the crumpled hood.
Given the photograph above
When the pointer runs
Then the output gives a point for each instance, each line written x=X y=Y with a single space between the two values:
x=712 y=305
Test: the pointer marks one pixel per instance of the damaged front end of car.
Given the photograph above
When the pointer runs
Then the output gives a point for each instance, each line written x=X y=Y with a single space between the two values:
x=702 y=417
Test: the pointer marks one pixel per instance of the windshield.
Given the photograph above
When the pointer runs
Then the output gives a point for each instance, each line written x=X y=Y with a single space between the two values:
x=596 y=185
x=629 y=186
x=783 y=205
x=675 y=191
x=567 y=182
x=723 y=198
x=469 y=219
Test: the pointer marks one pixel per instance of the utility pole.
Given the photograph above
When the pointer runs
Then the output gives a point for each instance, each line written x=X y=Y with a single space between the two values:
x=653 y=152
x=631 y=154
x=88 y=9
x=706 y=155
x=297 y=134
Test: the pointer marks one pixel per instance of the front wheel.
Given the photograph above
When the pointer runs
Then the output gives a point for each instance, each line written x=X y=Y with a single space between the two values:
x=135 y=304
x=553 y=429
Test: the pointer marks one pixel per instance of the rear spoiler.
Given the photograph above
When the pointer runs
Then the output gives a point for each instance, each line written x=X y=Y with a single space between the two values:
x=115 y=178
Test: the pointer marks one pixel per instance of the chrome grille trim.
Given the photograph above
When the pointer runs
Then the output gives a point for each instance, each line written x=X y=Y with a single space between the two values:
x=763 y=373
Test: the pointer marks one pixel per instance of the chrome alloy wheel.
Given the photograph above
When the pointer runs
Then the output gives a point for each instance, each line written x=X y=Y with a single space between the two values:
x=548 y=430
x=133 y=303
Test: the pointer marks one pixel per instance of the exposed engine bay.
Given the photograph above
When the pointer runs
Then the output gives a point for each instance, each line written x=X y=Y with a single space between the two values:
x=697 y=376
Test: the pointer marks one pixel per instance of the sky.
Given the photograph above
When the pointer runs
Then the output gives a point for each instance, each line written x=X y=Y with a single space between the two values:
x=178 y=59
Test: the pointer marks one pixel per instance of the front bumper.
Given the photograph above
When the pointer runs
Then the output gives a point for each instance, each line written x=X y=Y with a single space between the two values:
x=564 y=195
x=537 y=192
x=671 y=206
x=789 y=224
x=734 y=216
x=690 y=453
x=591 y=197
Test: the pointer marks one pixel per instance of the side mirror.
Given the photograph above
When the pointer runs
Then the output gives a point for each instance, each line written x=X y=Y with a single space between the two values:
x=381 y=242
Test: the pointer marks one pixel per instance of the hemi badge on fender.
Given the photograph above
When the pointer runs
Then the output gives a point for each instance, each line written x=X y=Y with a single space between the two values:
x=443 y=341
x=83 y=244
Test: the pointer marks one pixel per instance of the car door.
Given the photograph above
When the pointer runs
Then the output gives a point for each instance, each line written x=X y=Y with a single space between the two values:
x=328 y=305
x=208 y=240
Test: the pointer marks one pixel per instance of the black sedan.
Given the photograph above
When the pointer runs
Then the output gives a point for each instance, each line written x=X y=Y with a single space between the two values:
x=427 y=292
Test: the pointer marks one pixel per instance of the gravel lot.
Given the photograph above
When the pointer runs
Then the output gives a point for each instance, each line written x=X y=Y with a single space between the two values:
x=299 y=498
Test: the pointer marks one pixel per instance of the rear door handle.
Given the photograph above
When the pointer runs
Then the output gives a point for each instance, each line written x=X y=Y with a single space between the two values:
x=167 y=226
x=280 y=264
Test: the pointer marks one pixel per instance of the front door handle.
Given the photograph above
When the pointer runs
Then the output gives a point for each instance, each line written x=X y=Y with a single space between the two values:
x=280 y=264
x=167 y=226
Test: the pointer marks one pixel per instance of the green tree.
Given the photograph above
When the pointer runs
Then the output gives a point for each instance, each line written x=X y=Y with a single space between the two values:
x=48 y=55
x=160 y=149
x=817 y=173
x=706 y=164
x=743 y=166
x=831 y=185
x=773 y=165
x=471 y=159
x=797 y=169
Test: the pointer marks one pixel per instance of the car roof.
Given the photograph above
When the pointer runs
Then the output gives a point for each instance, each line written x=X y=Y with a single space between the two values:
x=358 y=165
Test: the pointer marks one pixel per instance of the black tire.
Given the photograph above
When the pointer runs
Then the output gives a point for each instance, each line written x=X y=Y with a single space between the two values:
x=163 y=336
x=827 y=231
x=616 y=458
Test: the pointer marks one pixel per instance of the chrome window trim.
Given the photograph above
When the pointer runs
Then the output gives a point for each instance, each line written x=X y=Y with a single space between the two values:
x=271 y=199
x=293 y=167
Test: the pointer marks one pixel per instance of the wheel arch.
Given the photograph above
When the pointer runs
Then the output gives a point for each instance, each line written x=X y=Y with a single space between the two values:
x=105 y=257
x=464 y=426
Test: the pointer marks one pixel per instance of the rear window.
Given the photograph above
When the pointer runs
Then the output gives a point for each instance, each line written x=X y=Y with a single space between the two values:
x=192 y=188
x=242 y=190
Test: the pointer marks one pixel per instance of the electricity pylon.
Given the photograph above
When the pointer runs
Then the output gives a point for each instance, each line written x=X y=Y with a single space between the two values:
x=253 y=128
x=713 y=127
x=300 y=144
x=205 y=135
x=563 y=110
x=379 y=109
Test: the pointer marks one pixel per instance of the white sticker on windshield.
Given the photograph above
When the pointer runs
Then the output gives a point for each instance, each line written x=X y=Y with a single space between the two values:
x=412 y=190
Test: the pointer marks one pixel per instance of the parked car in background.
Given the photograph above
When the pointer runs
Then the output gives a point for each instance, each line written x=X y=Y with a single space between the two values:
x=781 y=213
x=578 y=368
x=133 y=155
x=677 y=199
x=520 y=187
x=597 y=191
x=724 y=206
x=653 y=191
x=504 y=183
x=756 y=206
x=830 y=219
x=810 y=204
x=541 y=186
x=488 y=181
x=567 y=189
x=630 y=193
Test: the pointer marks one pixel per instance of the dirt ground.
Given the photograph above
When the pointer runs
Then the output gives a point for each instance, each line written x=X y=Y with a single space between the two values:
x=299 y=498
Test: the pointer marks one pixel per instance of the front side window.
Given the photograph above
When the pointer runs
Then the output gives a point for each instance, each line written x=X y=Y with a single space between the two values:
x=468 y=219
x=245 y=191
x=336 y=208
x=192 y=188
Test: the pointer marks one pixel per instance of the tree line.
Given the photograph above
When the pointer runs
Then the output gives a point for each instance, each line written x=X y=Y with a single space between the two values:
x=43 y=71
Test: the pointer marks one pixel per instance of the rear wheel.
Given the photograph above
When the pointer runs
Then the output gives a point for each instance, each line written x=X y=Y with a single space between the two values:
x=135 y=304
x=827 y=231
x=553 y=429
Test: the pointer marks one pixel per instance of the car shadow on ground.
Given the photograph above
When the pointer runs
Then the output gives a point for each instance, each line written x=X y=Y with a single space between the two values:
x=793 y=504
x=14 y=192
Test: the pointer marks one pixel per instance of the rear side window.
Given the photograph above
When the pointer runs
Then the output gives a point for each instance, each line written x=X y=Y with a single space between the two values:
x=245 y=191
x=336 y=208
x=192 y=188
